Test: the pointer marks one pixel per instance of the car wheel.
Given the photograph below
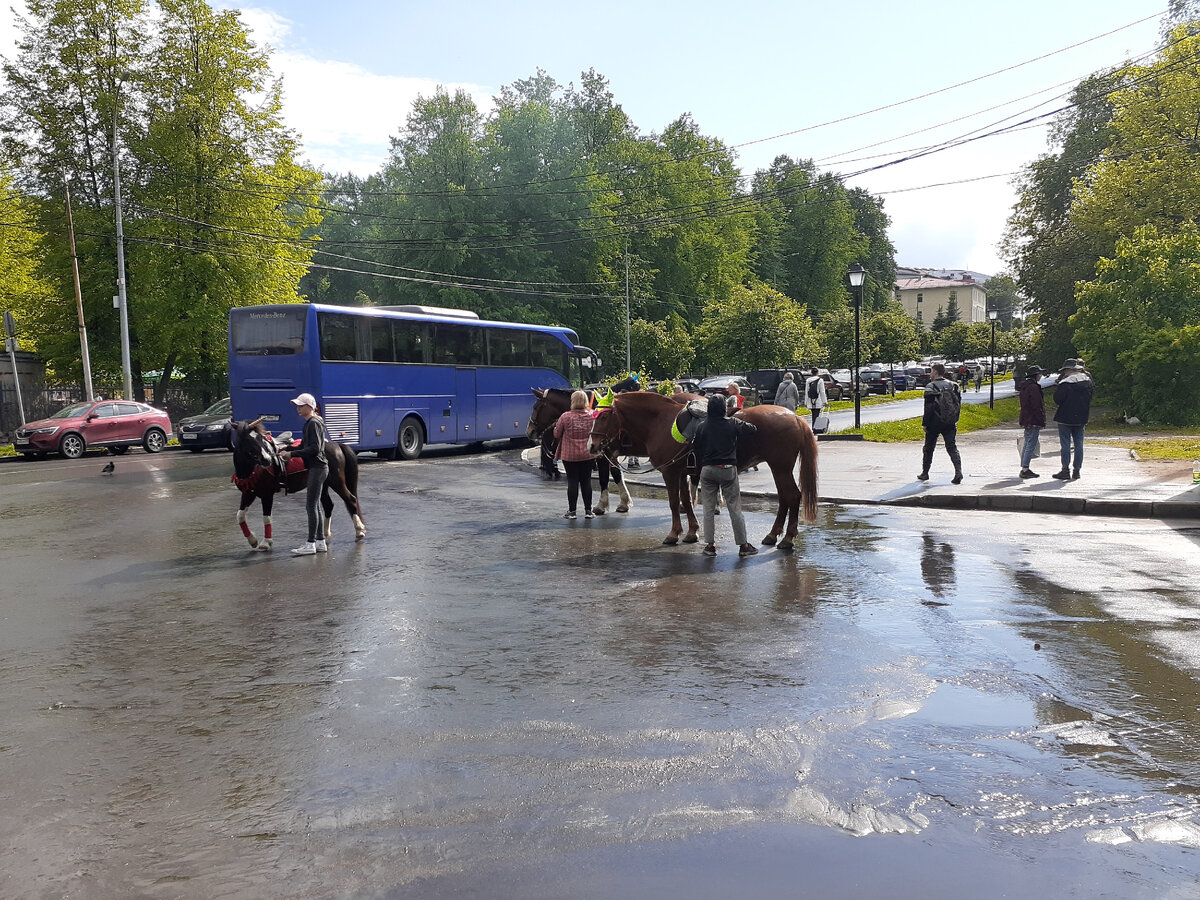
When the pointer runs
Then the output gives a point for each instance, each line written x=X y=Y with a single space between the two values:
x=117 y=451
x=72 y=446
x=154 y=440
x=412 y=438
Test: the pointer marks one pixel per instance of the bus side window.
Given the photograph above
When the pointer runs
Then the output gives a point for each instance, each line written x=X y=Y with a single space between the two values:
x=381 y=340
x=548 y=352
x=412 y=341
x=338 y=340
x=508 y=347
x=456 y=344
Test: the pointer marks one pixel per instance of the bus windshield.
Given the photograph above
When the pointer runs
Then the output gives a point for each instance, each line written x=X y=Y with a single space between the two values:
x=268 y=332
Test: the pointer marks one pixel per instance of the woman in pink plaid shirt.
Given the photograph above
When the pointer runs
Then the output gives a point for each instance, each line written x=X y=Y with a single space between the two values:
x=571 y=431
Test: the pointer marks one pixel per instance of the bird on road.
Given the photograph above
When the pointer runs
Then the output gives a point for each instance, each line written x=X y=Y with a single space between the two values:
x=109 y=469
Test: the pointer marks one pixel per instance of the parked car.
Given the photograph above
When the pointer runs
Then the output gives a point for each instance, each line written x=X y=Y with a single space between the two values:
x=115 y=424
x=207 y=429
x=717 y=384
x=688 y=385
x=876 y=380
x=918 y=376
x=845 y=382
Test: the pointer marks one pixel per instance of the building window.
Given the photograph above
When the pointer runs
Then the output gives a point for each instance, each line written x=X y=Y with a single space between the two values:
x=920 y=297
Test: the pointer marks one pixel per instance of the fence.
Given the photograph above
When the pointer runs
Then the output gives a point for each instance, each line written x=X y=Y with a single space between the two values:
x=177 y=400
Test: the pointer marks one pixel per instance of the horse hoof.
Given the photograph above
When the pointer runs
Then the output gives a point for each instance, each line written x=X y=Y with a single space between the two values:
x=359 y=535
x=598 y=511
x=787 y=546
x=690 y=539
x=770 y=540
x=670 y=542
x=622 y=509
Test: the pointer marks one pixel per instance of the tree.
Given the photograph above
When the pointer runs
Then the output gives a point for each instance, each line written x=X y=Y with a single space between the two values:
x=952 y=312
x=662 y=349
x=756 y=328
x=953 y=340
x=893 y=334
x=1003 y=295
x=836 y=335
x=25 y=290
x=1135 y=320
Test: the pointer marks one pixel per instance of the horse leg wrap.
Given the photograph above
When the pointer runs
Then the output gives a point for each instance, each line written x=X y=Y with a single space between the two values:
x=241 y=518
x=360 y=530
x=267 y=527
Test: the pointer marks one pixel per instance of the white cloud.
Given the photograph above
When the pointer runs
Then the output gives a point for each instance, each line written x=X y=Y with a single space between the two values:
x=344 y=114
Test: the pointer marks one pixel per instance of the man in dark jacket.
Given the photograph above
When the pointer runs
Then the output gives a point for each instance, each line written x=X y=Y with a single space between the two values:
x=941 y=420
x=1073 y=395
x=715 y=446
x=1033 y=417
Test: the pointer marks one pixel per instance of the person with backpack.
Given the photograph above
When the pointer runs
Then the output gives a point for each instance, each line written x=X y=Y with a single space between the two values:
x=787 y=394
x=815 y=397
x=942 y=406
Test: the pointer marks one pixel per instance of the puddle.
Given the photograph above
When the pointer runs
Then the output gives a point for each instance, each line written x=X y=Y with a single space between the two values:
x=952 y=704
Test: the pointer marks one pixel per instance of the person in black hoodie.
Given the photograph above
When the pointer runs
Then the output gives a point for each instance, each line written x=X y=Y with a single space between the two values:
x=715 y=446
x=312 y=451
x=1073 y=395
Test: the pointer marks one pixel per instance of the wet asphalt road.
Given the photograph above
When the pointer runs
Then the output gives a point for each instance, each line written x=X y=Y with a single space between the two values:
x=484 y=700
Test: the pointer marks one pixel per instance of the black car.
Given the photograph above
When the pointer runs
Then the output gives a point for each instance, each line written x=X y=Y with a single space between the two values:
x=207 y=429
x=876 y=380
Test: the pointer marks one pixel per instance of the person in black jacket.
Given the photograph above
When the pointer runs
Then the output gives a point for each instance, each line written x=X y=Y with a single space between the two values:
x=312 y=451
x=1073 y=395
x=938 y=424
x=715 y=446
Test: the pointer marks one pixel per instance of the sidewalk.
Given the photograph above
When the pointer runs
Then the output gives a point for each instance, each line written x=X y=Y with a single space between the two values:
x=1113 y=483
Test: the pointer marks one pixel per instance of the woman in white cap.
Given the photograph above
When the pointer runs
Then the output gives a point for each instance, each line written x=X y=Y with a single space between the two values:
x=312 y=451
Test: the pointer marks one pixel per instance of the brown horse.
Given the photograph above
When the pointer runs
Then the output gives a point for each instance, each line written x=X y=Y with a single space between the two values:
x=781 y=438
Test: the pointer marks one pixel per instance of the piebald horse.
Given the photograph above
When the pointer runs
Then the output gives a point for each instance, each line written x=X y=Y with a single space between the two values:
x=259 y=474
x=782 y=437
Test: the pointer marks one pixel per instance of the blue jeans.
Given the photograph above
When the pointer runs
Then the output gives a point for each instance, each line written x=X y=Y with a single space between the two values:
x=1066 y=434
x=1031 y=439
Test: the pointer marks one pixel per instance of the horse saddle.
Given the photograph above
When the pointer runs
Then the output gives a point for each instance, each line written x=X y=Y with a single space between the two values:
x=683 y=429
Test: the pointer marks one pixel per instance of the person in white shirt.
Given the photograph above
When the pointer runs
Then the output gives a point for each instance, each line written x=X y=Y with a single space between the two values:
x=815 y=397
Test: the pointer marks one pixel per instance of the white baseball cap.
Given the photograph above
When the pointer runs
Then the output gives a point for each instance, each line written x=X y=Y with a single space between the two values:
x=306 y=400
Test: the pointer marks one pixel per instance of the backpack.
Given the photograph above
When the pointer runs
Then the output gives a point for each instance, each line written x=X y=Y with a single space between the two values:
x=814 y=392
x=948 y=404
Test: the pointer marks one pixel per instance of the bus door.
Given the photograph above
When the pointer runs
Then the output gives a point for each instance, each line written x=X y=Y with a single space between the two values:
x=464 y=406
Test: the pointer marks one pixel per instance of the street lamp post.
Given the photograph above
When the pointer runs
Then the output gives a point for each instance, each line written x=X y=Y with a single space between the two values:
x=992 y=387
x=856 y=274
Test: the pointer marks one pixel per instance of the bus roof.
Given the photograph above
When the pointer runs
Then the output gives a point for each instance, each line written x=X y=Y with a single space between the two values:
x=421 y=313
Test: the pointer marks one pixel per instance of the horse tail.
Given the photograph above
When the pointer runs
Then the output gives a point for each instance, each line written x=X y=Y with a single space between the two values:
x=808 y=472
x=350 y=476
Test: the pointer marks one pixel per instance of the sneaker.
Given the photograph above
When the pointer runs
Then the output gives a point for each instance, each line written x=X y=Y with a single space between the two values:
x=568 y=515
x=747 y=550
x=709 y=550
x=321 y=546
x=589 y=515
x=1029 y=473
x=924 y=476
x=957 y=479
x=1074 y=474
x=306 y=549
x=1064 y=475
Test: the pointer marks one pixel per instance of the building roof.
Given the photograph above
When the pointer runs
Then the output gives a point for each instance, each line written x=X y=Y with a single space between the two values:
x=925 y=283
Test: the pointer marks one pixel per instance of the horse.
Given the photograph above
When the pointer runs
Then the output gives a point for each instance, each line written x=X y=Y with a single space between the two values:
x=552 y=403
x=259 y=473
x=780 y=439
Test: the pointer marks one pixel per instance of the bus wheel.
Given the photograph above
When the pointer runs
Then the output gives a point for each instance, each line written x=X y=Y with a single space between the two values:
x=412 y=438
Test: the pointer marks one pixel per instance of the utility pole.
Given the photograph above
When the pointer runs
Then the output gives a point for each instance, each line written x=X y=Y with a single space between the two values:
x=122 y=300
x=628 y=360
x=83 y=341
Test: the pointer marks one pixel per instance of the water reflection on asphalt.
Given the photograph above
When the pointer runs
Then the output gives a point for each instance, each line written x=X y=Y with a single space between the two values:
x=484 y=699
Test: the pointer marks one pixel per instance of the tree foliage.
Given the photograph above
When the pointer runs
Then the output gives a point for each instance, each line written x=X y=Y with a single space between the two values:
x=756 y=328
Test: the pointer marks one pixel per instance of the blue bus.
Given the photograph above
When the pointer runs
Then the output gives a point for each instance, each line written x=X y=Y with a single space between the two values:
x=393 y=379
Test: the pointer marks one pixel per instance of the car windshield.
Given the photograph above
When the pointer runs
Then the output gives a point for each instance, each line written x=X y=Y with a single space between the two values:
x=70 y=412
x=220 y=408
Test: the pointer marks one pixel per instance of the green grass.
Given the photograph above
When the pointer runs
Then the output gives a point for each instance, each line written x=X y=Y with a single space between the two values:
x=974 y=417
x=1167 y=448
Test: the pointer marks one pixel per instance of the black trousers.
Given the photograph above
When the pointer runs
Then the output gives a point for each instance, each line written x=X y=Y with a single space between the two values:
x=579 y=478
x=949 y=434
x=312 y=502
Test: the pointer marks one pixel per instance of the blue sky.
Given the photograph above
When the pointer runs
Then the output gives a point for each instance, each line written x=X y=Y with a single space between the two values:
x=745 y=71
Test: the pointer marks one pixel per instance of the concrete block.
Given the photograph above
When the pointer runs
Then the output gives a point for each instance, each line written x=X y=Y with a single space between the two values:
x=1015 y=502
x=1127 y=508
x=1051 y=504
x=1176 y=509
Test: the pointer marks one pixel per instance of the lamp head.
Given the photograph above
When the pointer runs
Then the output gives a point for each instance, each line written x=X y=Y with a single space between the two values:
x=856 y=273
x=992 y=314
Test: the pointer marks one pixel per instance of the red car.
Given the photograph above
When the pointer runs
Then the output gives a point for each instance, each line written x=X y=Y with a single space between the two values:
x=115 y=424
